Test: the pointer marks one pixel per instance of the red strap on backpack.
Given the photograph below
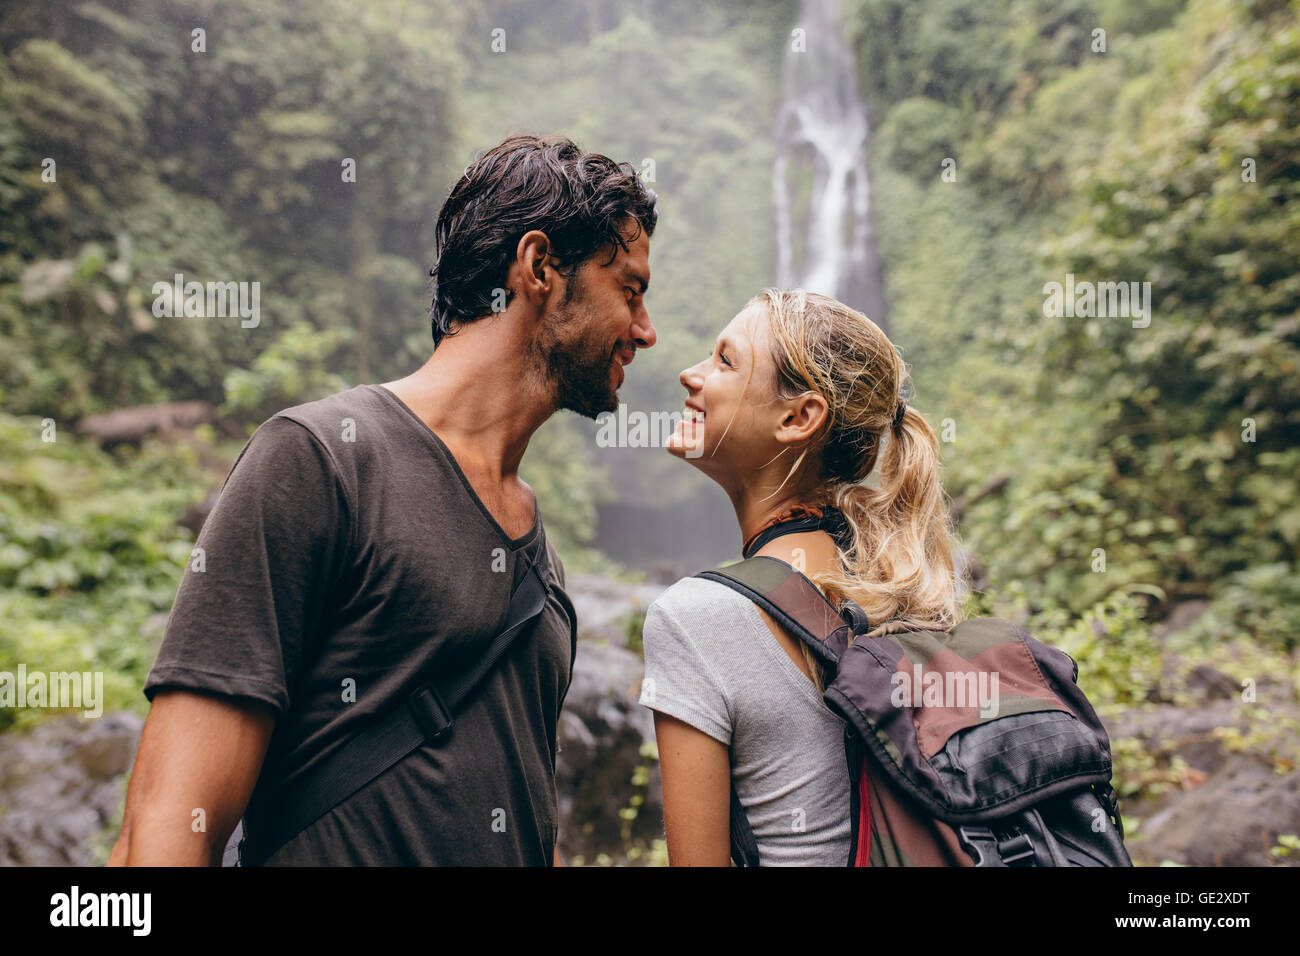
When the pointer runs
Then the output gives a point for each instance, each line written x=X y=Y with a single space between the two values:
x=863 y=855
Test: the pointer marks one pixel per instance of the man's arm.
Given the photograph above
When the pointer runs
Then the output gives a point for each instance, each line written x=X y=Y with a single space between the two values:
x=198 y=752
x=696 y=773
x=234 y=646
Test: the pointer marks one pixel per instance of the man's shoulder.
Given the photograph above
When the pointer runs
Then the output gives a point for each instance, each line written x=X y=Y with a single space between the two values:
x=333 y=414
x=362 y=430
x=316 y=441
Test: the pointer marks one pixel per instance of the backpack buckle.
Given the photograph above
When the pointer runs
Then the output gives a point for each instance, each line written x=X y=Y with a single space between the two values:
x=979 y=840
x=976 y=841
x=1018 y=848
x=430 y=713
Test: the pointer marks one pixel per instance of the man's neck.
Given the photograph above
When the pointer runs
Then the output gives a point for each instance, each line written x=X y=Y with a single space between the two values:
x=479 y=396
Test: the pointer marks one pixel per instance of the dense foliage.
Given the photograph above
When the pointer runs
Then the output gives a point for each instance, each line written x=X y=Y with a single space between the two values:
x=1158 y=458
x=1105 y=470
x=133 y=149
x=90 y=554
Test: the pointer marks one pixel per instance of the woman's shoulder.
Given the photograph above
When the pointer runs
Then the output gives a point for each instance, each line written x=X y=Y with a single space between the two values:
x=693 y=594
x=702 y=606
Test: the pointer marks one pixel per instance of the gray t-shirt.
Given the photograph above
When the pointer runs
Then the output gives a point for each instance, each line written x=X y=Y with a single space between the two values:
x=711 y=662
x=347 y=561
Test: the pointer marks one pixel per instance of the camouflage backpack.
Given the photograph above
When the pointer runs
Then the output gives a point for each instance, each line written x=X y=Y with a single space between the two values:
x=971 y=746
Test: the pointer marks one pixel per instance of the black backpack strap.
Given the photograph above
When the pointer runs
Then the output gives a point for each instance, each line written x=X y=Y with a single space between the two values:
x=744 y=847
x=793 y=601
x=425 y=717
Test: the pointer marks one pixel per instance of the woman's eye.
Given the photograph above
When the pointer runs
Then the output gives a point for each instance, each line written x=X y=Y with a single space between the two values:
x=726 y=361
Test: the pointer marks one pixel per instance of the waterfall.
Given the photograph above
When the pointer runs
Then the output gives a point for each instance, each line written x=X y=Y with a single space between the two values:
x=825 y=241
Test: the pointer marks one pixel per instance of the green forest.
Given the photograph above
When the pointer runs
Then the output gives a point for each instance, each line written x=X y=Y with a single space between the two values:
x=1104 y=474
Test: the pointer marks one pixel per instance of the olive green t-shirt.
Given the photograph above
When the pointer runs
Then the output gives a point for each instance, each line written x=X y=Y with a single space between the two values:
x=347 y=561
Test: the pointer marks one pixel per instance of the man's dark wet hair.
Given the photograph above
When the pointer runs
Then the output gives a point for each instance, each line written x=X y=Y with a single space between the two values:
x=580 y=200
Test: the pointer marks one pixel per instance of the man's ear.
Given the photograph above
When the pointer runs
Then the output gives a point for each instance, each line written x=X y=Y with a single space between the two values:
x=802 y=418
x=533 y=269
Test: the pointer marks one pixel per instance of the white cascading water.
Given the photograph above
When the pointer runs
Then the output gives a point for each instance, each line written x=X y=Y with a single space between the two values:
x=822 y=135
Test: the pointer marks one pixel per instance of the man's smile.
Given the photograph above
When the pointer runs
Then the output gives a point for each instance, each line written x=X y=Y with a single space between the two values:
x=622 y=358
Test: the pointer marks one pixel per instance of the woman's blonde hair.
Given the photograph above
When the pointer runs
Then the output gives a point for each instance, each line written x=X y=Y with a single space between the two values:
x=899 y=567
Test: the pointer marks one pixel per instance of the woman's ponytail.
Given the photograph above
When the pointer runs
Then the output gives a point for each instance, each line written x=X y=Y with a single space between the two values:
x=899 y=567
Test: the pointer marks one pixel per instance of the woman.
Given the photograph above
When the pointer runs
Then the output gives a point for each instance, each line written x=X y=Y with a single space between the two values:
x=789 y=415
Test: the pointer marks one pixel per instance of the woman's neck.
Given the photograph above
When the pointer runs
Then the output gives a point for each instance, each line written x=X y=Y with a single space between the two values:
x=754 y=513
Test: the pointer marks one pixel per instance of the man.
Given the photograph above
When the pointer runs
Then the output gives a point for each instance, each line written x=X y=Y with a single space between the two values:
x=369 y=540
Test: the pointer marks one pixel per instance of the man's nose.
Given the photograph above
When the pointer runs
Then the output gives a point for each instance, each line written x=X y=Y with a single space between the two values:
x=643 y=330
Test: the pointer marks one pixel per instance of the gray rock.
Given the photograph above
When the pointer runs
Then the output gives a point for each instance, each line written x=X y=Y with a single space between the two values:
x=602 y=734
x=1231 y=806
x=1232 y=819
x=1182 y=615
x=1169 y=731
x=602 y=603
x=132 y=425
x=61 y=785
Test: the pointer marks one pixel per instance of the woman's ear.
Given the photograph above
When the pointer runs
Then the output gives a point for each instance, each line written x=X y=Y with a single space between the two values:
x=803 y=417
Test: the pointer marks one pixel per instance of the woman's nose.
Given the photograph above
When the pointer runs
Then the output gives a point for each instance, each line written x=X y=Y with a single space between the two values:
x=691 y=378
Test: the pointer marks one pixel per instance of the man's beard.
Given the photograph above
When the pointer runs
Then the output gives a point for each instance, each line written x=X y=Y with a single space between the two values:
x=577 y=369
